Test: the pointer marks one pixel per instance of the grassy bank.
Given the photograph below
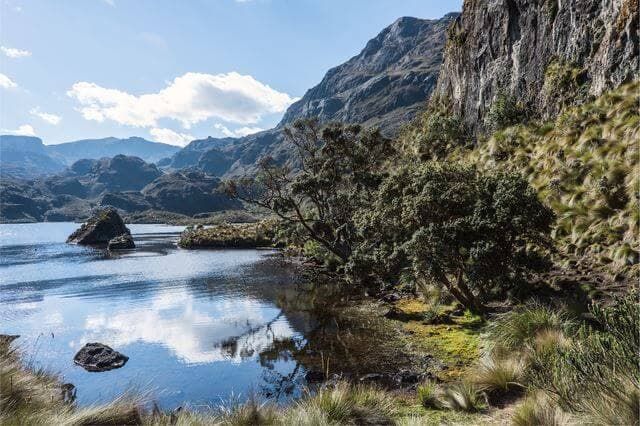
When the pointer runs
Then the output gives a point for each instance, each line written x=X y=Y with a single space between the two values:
x=228 y=235
x=535 y=365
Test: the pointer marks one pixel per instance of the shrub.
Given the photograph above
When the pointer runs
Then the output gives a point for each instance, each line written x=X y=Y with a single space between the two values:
x=464 y=396
x=500 y=376
x=517 y=329
x=428 y=395
x=536 y=410
x=599 y=375
x=504 y=111
x=473 y=234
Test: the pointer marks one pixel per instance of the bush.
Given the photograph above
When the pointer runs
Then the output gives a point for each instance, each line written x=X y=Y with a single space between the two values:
x=519 y=328
x=500 y=376
x=536 y=410
x=504 y=111
x=473 y=234
x=464 y=396
x=599 y=375
x=428 y=395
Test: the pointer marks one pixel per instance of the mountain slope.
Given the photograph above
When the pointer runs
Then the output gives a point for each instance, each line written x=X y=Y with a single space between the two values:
x=26 y=156
x=385 y=85
x=544 y=53
x=151 y=152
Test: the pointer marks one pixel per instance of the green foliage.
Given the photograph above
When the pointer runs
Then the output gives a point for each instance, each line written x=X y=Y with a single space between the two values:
x=504 y=111
x=339 y=167
x=427 y=394
x=518 y=328
x=464 y=396
x=500 y=376
x=598 y=377
x=584 y=165
x=469 y=232
x=435 y=135
x=236 y=235
x=564 y=81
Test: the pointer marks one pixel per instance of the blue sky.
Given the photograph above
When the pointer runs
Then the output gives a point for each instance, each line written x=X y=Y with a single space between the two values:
x=175 y=70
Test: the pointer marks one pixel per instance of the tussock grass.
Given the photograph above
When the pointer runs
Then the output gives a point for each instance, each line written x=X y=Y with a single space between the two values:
x=464 y=395
x=537 y=410
x=500 y=376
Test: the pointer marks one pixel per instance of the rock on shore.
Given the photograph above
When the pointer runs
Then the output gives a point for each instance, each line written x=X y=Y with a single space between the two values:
x=121 y=242
x=105 y=225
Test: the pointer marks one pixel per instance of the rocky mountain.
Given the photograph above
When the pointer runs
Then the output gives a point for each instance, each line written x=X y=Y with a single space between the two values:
x=385 y=85
x=27 y=156
x=544 y=53
x=127 y=183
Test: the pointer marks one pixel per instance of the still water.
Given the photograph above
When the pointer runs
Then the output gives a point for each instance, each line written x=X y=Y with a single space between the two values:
x=199 y=327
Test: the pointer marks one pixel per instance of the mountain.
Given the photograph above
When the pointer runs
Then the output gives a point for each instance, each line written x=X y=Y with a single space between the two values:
x=26 y=156
x=125 y=182
x=544 y=53
x=385 y=85
x=150 y=152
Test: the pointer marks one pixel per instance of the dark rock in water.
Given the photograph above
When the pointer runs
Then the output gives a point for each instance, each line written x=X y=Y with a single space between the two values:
x=100 y=228
x=314 y=376
x=121 y=242
x=99 y=357
x=407 y=377
x=374 y=378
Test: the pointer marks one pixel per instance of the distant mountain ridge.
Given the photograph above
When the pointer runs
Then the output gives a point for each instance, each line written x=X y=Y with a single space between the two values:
x=29 y=157
x=385 y=85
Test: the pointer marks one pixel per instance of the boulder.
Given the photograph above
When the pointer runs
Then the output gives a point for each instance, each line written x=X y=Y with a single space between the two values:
x=121 y=242
x=100 y=228
x=99 y=357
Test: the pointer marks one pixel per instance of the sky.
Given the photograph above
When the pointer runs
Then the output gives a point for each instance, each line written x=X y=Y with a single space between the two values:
x=173 y=71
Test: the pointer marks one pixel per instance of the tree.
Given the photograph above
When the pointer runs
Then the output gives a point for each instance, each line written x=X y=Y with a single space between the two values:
x=473 y=234
x=336 y=169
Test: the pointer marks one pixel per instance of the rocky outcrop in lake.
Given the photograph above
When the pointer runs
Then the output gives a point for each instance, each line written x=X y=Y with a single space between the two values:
x=121 y=242
x=98 y=357
x=102 y=227
x=543 y=53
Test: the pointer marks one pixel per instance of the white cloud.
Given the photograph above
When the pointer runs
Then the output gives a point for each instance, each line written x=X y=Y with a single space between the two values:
x=243 y=131
x=171 y=137
x=189 y=99
x=49 y=118
x=24 y=130
x=6 y=82
x=14 y=53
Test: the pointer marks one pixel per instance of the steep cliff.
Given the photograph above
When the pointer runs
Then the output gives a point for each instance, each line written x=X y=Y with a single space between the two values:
x=543 y=53
x=386 y=83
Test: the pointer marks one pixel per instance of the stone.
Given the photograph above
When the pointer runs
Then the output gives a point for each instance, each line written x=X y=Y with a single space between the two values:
x=100 y=228
x=98 y=357
x=121 y=242
x=314 y=376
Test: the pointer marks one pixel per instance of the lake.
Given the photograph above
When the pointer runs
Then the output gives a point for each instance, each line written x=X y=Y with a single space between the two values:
x=199 y=327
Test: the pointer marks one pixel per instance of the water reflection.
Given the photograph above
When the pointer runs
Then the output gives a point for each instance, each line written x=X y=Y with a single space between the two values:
x=198 y=326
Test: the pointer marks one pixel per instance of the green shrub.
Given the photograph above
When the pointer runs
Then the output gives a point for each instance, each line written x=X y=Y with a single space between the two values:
x=599 y=375
x=504 y=111
x=427 y=394
x=464 y=396
x=500 y=376
x=517 y=329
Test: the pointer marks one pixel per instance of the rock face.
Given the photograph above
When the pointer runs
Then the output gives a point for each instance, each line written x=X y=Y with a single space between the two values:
x=386 y=84
x=100 y=228
x=99 y=357
x=121 y=242
x=539 y=51
x=26 y=157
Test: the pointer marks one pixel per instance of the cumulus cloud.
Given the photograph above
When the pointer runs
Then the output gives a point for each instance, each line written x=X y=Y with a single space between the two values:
x=171 y=137
x=243 y=131
x=14 y=53
x=189 y=99
x=49 y=118
x=6 y=82
x=24 y=130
